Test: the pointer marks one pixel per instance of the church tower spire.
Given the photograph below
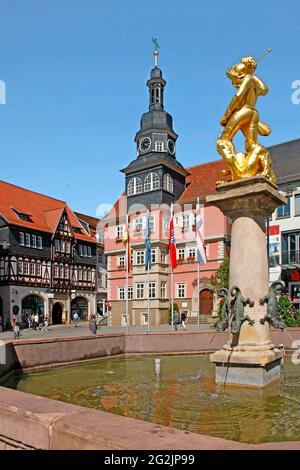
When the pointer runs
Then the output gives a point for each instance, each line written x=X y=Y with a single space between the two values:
x=156 y=83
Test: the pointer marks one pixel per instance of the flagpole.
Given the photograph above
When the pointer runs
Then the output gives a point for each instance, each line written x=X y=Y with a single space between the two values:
x=127 y=269
x=172 y=283
x=198 y=274
x=148 y=299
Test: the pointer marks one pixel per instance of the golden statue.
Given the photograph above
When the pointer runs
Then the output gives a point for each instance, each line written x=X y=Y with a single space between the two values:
x=242 y=115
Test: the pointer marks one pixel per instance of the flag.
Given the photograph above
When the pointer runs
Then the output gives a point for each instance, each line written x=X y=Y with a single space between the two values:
x=172 y=245
x=201 y=255
x=126 y=241
x=148 y=245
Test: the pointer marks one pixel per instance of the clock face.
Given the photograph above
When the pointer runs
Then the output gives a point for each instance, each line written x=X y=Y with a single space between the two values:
x=145 y=144
x=171 y=147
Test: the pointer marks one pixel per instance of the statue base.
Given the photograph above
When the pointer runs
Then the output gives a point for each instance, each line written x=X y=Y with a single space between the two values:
x=247 y=369
x=249 y=358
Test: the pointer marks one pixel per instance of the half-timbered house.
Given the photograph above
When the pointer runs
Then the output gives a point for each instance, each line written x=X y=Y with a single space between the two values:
x=48 y=257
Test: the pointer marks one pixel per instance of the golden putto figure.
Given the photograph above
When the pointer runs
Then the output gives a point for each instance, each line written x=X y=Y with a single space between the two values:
x=242 y=115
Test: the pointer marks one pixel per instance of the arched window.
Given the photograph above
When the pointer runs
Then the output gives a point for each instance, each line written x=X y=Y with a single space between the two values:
x=152 y=182
x=135 y=186
x=168 y=183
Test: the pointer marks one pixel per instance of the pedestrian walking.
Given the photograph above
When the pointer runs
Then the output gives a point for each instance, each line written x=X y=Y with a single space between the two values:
x=36 y=321
x=93 y=323
x=75 y=319
x=175 y=320
x=30 y=320
x=183 y=319
x=15 y=327
x=46 y=322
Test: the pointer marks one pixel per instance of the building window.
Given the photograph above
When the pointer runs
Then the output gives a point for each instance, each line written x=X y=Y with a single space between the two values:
x=135 y=186
x=32 y=269
x=152 y=182
x=66 y=272
x=26 y=268
x=297 y=204
x=120 y=231
x=38 y=270
x=152 y=290
x=159 y=146
x=39 y=242
x=89 y=275
x=121 y=293
x=57 y=245
x=124 y=319
x=140 y=257
x=20 y=267
x=22 y=238
x=139 y=224
x=181 y=291
x=185 y=222
x=27 y=239
x=140 y=290
x=153 y=255
x=56 y=272
x=84 y=274
x=130 y=292
x=145 y=318
x=168 y=183
x=121 y=261
x=79 y=274
x=61 y=272
x=33 y=241
x=192 y=253
x=68 y=247
x=180 y=253
x=285 y=210
x=163 y=256
x=166 y=224
x=163 y=290
x=89 y=251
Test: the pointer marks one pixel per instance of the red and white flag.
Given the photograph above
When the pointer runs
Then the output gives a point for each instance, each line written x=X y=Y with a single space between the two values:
x=172 y=244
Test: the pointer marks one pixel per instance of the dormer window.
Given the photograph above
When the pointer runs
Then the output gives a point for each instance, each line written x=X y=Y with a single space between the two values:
x=77 y=229
x=152 y=182
x=159 y=146
x=23 y=215
x=135 y=186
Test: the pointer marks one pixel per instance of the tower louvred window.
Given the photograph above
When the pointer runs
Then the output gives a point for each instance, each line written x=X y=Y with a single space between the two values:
x=135 y=186
x=168 y=183
x=152 y=181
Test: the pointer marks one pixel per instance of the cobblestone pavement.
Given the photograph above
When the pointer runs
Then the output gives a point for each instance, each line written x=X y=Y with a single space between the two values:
x=59 y=331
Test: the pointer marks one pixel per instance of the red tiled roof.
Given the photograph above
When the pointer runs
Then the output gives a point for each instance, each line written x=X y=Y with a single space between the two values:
x=44 y=211
x=202 y=181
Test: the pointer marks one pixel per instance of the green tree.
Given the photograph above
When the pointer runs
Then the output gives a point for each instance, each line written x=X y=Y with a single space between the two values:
x=289 y=315
x=221 y=277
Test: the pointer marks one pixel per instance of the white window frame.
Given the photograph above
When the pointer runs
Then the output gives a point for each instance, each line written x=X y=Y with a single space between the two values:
x=145 y=318
x=153 y=255
x=121 y=261
x=163 y=289
x=140 y=257
x=159 y=146
x=139 y=224
x=39 y=242
x=22 y=239
x=181 y=253
x=152 y=290
x=163 y=256
x=140 y=290
x=168 y=183
x=38 y=269
x=181 y=290
x=121 y=293
x=135 y=186
x=130 y=292
x=33 y=241
x=120 y=231
x=27 y=239
x=152 y=182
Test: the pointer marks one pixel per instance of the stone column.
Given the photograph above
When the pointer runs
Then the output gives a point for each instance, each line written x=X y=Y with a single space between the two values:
x=249 y=358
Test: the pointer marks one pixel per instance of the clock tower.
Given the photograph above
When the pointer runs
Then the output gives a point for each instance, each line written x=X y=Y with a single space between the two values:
x=155 y=176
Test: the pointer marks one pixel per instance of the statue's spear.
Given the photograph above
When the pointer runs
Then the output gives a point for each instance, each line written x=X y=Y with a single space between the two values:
x=262 y=56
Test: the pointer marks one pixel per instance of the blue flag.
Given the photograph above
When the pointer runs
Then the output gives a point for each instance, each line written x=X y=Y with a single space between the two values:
x=148 y=245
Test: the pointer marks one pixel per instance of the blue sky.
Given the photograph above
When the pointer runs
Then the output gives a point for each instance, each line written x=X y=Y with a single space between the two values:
x=75 y=72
